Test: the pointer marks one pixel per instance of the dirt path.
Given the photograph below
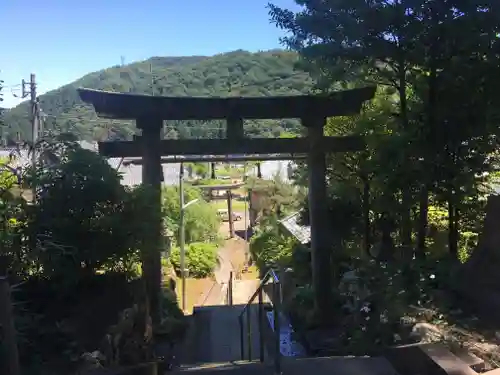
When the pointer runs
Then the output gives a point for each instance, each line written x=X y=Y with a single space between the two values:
x=232 y=258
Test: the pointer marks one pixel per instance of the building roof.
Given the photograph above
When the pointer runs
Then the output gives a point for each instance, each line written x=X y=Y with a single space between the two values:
x=301 y=232
x=132 y=173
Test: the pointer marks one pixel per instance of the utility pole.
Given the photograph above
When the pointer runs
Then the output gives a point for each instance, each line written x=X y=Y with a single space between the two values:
x=152 y=79
x=34 y=121
x=182 y=234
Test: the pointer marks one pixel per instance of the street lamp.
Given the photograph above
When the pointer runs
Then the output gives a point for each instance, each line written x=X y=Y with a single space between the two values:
x=182 y=234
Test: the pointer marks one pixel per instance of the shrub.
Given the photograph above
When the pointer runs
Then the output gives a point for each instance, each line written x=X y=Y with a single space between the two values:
x=269 y=248
x=201 y=259
x=79 y=216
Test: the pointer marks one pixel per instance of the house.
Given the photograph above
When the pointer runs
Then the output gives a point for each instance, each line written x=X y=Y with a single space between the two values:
x=291 y=226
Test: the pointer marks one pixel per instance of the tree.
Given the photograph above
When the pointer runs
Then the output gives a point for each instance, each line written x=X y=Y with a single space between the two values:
x=201 y=220
x=79 y=216
x=428 y=52
x=276 y=196
x=371 y=42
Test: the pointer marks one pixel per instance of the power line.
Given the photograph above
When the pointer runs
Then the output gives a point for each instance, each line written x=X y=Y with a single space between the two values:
x=12 y=86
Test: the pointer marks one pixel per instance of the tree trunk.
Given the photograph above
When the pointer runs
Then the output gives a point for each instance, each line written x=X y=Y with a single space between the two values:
x=452 y=226
x=406 y=220
x=422 y=221
x=366 y=216
x=431 y=124
x=406 y=229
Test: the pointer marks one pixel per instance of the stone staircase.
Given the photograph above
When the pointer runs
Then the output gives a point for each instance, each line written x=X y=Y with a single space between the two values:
x=213 y=345
x=436 y=359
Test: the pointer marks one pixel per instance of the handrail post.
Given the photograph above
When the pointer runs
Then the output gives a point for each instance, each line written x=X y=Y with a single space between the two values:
x=249 y=334
x=246 y=313
x=277 y=327
x=230 y=288
x=242 y=341
x=261 y=324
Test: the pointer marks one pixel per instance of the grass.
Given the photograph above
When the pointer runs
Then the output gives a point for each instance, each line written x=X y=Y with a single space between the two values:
x=195 y=288
x=222 y=204
x=231 y=172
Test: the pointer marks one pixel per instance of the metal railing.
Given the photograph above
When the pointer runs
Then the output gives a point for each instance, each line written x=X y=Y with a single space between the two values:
x=276 y=305
x=229 y=291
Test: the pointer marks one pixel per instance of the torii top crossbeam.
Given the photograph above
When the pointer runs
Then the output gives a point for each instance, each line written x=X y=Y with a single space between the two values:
x=126 y=106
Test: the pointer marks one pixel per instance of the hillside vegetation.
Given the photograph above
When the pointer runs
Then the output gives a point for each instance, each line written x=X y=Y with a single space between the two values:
x=237 y=73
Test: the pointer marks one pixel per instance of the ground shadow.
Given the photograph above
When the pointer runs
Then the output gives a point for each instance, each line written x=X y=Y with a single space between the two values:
x=241 y=233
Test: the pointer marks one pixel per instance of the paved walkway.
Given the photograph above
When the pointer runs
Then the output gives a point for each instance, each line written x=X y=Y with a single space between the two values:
x=231 y=257
x=224 y=268
x=243 y=290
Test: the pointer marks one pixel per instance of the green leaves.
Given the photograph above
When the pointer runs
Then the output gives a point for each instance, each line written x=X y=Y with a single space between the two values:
x=201 y=259
x=82 y=210
x=432 y=127
x=201 y=220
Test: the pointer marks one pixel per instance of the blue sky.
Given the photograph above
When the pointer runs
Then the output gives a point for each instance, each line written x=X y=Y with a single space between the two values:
x=62 y=40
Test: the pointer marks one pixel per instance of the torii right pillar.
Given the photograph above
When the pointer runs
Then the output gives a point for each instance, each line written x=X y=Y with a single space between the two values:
x=321 y=241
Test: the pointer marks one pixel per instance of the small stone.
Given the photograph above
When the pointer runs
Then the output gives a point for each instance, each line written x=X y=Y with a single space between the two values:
x=426 y=332
x=497 y=337
x=486 y=347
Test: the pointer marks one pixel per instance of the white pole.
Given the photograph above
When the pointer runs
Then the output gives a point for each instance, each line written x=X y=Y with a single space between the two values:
x=181 y=238
x=246 y=204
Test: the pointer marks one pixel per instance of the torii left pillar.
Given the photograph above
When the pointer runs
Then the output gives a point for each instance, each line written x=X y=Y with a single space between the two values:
x=152 y=177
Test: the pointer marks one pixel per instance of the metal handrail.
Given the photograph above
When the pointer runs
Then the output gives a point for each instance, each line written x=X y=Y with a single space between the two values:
x=229 y=291
x=276 y=305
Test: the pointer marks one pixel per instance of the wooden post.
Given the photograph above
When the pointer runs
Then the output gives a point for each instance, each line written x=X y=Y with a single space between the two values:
x=318 y=213
x=152 y=176
x=8 y=331
x=235 y=130
x=230 y=213
x=212 y=171
x=259 y=173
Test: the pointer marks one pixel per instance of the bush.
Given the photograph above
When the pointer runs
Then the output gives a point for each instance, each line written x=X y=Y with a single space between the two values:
x=79 y=216
x=269 y=248
x=173 y=322
x=201 y=259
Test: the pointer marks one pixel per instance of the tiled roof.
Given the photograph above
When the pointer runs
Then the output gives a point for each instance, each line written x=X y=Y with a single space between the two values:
x=301 y=232
x=131 y=174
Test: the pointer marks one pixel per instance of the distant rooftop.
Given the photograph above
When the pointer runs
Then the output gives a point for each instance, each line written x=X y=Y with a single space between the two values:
x=132 y=173
x=301 y=232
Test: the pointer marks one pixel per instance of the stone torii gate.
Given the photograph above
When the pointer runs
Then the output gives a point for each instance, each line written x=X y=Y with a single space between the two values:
x=149 y=112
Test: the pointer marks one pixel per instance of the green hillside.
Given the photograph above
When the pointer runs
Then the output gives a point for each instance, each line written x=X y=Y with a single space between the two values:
x=237 y=73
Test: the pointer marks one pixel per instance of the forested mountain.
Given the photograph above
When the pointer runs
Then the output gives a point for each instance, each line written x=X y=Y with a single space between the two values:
x=229 y=74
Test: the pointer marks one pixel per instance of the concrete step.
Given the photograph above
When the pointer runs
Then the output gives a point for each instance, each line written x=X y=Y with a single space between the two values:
x=427 y=359
x=292 y=366
x=473 y=361
x=445 y=359
x=221 y=337
x=492 y=372
x=234 y=367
